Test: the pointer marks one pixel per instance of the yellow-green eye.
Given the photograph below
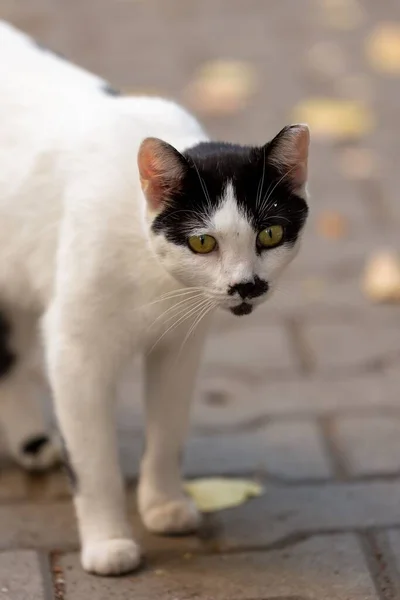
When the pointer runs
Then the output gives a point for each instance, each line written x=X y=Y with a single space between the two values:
x=270 y=237
x=202 y=244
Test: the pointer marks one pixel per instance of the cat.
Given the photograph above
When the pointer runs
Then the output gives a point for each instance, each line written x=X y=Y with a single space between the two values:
x=122 y=228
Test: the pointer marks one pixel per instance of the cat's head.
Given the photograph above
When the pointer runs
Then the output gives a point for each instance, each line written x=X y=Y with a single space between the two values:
x=227 y=218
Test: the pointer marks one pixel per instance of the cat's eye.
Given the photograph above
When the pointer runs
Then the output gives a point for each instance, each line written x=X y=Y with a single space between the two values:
x=270 y=237
x=202 y=244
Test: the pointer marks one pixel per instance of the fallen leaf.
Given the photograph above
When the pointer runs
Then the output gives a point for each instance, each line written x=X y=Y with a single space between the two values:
x=222 y=87
x=332 y=225
x=381 y=281
x=217 y=493
x=383 y=48
x=358 y=163
x=332 y=118
x=343 y=14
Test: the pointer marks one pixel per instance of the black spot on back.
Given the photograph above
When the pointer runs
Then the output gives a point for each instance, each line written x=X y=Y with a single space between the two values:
x=35 y=444
x=46 y=49
x=110 y=91
x=7 y=357
x=256 y=181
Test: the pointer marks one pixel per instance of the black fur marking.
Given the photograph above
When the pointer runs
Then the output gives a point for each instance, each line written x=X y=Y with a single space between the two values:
x=68 y=468
x=250 y=289
x=209 y=167
x=242 y=309
x=7 y=357
x=35 y=444
x=110 y=91
x=45 y=49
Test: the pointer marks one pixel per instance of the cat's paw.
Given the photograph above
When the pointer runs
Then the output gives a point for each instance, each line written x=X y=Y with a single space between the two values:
x=38 y=452
x=110 y=557
x=174 y=517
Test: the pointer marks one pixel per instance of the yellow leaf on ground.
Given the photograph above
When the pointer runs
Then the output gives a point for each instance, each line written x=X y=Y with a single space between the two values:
x=333 y=118
x=332 y=225
x=383 y=48
x=222 y=87
x=381 y=281
x=219 y=493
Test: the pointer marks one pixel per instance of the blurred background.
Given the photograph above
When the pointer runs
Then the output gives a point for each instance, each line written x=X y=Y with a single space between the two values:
x=330 y=339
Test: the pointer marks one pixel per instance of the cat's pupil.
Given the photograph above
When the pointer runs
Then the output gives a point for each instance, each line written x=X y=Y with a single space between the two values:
x=269 y=232
x=202 y=240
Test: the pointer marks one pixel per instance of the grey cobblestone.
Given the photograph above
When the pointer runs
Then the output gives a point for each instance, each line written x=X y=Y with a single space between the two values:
x=21 y=576
x=370 y=445
x=323 y=568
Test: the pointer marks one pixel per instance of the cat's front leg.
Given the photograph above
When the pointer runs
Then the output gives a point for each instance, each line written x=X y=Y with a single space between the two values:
x=170 y=377
x=82 y=359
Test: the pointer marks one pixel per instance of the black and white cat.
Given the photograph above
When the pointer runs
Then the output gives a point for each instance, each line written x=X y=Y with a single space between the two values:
x=122 y=227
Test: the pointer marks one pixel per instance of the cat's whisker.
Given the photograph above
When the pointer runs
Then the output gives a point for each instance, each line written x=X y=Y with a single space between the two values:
x=264 y=205
x=203 y=186
x=181 y=303
x=180 y=320
x=261 y=183
x=206 y=310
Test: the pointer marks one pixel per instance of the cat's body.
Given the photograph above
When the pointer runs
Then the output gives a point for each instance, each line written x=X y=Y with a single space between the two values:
x=95 y=254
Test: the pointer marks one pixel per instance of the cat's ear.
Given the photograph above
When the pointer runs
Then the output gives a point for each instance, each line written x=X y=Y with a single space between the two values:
x=288 y=152
x=161 y=169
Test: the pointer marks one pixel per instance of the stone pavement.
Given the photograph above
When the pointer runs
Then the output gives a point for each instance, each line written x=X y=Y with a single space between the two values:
x=305 y=394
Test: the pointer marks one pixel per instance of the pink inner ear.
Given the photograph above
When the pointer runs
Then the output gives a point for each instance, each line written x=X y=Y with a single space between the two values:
x=161 y=170
x=290 y=153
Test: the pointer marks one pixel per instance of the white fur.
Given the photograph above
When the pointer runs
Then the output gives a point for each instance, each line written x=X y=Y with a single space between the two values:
x=77 y=256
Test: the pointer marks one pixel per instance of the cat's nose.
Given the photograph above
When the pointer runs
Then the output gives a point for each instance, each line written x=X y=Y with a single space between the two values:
x=249 y=289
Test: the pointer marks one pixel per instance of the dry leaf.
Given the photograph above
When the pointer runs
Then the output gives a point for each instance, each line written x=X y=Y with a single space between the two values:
x=381 y=280
x=343 y=14
x=383 y=48
x=339 y=119
x=222 y=87
x=332 y=225
x=358 y=163
x=218 y=493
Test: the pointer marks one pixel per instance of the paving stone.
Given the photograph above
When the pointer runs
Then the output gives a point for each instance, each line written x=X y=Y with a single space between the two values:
x=21 y=576
x=267 y=348
x=281 y=513
x=287 y=512
x=322 y=568
x=52 y=526
x=348 y=346
x=369 y=445
x=289 y=450
x=246 y=403
x=393 y=538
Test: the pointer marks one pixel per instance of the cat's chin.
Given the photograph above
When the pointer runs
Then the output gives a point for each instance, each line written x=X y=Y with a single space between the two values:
x=242 y=309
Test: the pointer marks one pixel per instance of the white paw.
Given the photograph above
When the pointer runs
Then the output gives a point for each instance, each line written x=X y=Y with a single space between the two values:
x=38 y=453
x=111 y=557
x=174 y=517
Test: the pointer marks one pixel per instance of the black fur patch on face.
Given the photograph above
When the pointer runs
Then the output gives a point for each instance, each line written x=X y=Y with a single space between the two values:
x=110 y=91
x=7 y=357
x=34 y=445
x=263 y=194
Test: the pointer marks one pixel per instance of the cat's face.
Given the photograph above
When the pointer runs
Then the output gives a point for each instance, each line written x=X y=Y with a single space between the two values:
x=227 y=219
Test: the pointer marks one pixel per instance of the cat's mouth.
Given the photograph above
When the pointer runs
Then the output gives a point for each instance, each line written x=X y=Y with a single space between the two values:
x=244 y=308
